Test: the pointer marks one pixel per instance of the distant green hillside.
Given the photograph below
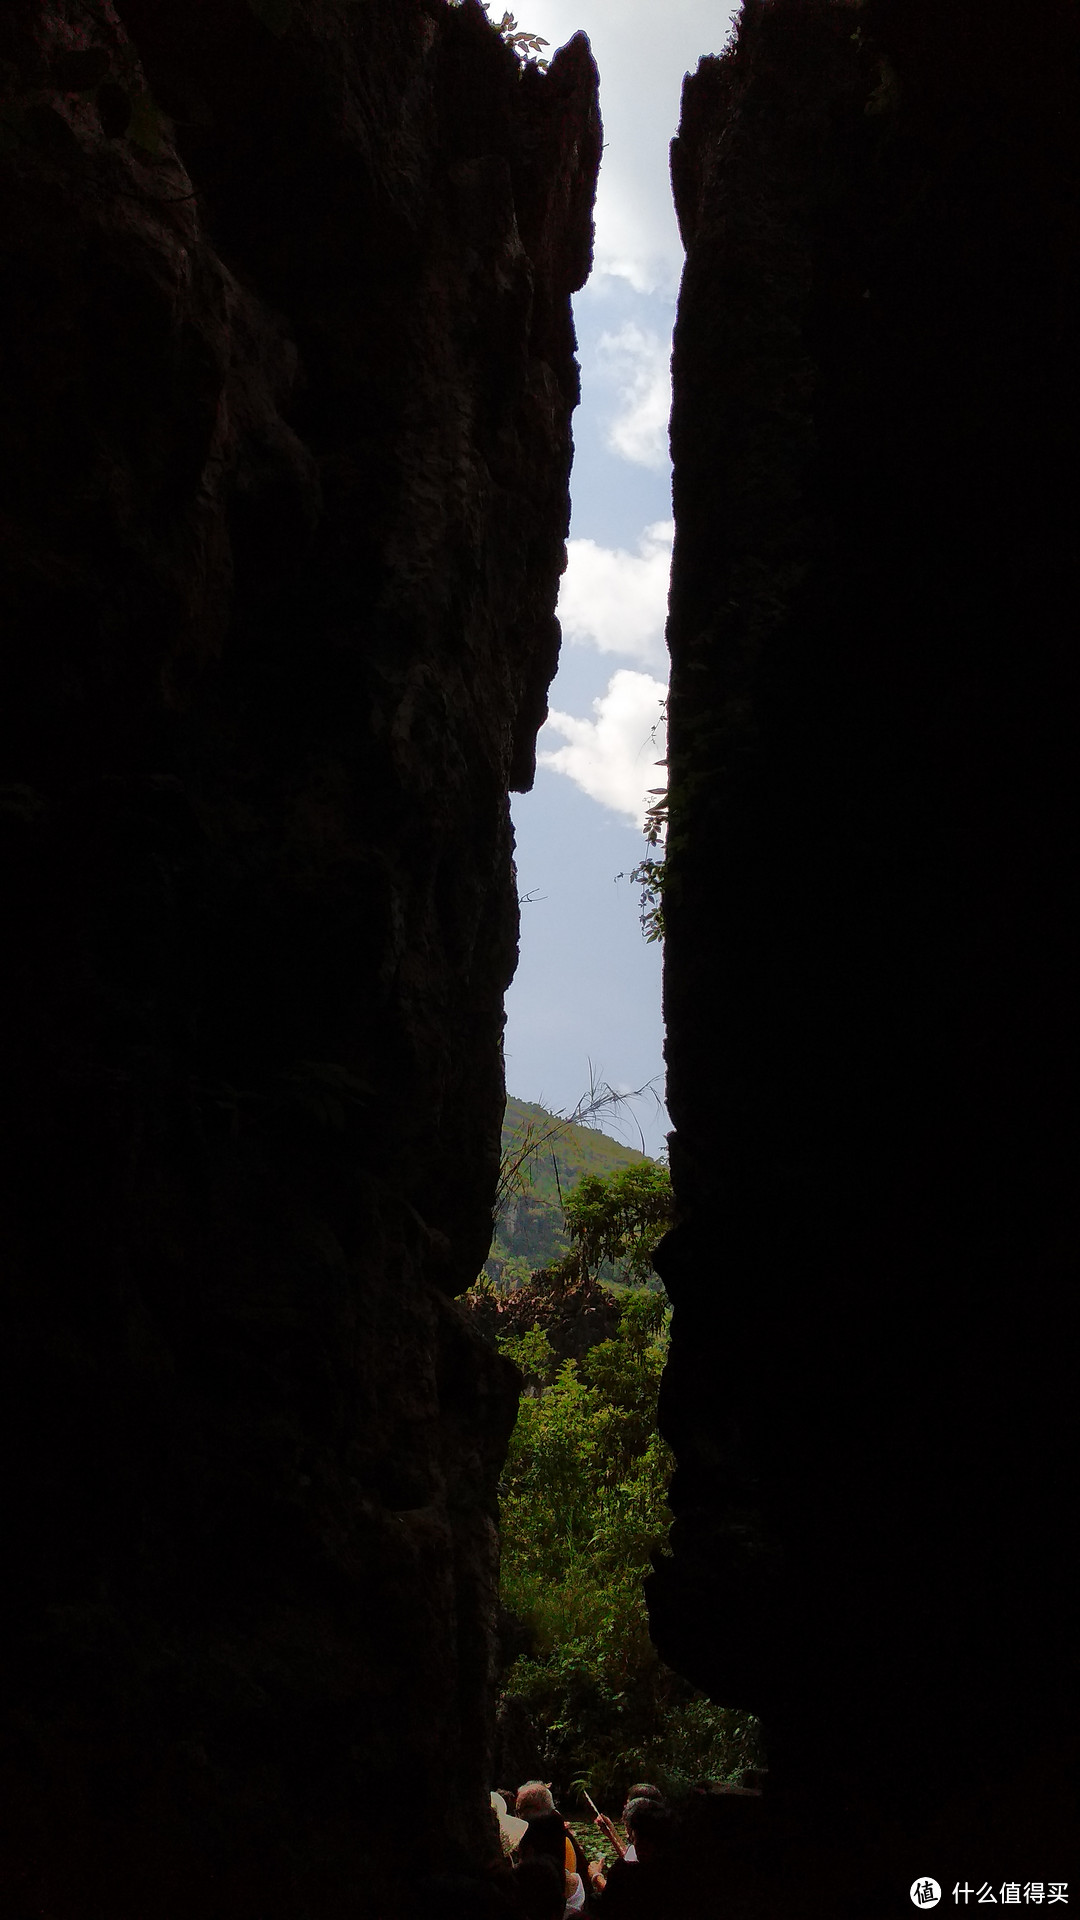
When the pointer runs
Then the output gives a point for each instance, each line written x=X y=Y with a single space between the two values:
x=529 y=1225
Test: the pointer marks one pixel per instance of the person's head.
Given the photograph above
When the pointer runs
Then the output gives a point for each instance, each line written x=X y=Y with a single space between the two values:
x=539 y=1889
x=544 y=1839
x=650 y=1825
x=533 y=1798
x=643 y=1790
x=630 y=1809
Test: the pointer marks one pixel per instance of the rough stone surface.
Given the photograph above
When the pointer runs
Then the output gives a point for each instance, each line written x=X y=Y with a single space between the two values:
x=288 y=369
x=871 y=949
x=576 y=1312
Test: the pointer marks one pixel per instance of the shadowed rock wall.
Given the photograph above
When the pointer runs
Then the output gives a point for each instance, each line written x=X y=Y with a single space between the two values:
x=871 y=947
x=288 y=369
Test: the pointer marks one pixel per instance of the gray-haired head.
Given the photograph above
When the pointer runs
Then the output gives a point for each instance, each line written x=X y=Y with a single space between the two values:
x=534 y=1797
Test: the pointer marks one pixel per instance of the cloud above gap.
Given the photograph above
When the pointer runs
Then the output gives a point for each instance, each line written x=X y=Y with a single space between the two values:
x=638 y=362
x=613 y=757
x=643 y=251
x=617 y=601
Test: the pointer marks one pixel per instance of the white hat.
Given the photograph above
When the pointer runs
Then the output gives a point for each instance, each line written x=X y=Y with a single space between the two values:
x=510 y=1828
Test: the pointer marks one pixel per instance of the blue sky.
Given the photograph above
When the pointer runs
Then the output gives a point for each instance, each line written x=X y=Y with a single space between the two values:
x=586 y=998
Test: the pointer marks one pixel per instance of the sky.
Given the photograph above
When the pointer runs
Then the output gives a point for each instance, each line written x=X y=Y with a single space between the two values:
x=585 y=1004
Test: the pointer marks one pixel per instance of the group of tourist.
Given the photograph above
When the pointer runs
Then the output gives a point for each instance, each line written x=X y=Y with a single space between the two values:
x=549 y=1877
x=666 y=1866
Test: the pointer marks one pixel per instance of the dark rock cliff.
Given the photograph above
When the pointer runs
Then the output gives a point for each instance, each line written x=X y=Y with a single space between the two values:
x=871 y=949
x=288 y=370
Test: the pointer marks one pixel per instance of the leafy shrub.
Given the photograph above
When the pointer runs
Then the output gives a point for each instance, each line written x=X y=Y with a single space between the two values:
x=583 y=1507
x=526 y=45
x=620 y=1219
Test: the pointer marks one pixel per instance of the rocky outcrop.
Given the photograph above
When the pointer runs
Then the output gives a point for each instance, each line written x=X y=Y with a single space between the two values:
x=288 y=369
x=871 y=935
x=574 y=1310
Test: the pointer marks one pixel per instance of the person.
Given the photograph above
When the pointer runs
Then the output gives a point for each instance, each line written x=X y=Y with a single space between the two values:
x=535 y=1798
x=641 y=1889
x=547 y=1839
x=538 y=1889
x=642 y=1790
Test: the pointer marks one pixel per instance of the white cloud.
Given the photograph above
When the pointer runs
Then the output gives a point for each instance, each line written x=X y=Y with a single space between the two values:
x=639 y=362
x=613 y=757
x=642 y=51
x=641 y=248
x=615 y=600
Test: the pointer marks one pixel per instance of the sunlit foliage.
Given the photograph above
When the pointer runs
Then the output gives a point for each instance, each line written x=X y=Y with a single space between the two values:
x=583 y=1507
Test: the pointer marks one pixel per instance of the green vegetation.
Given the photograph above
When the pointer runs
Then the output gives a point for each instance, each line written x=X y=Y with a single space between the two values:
x=650 y=873
x=583 y=1508
x=619 y=1220
x=545 y=1157
x=526 y=45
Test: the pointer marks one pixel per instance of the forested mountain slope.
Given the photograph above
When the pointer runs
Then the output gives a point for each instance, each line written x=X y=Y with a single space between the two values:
x=529 y=1230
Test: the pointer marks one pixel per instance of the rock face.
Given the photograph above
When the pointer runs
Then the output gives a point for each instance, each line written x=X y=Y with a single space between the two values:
x=872 y=933
x=288 y=369
x=576 y=1313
